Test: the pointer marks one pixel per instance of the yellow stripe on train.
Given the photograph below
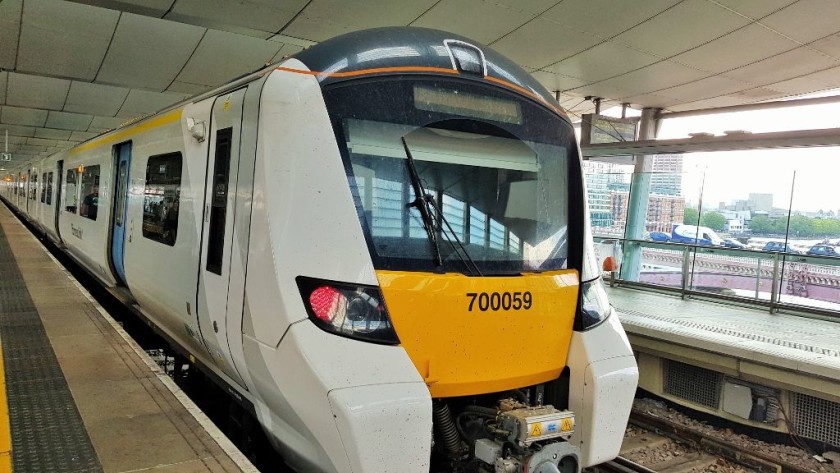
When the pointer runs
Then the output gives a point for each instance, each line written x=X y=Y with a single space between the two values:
x=475 y=335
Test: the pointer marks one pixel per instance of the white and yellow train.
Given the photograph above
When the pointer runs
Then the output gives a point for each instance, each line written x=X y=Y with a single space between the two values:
x=380 y=245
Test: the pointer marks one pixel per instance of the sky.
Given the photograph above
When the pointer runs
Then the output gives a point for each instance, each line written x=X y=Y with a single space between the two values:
x=732 y=175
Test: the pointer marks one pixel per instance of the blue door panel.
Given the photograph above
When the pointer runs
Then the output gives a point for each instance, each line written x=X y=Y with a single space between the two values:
x=120 y=209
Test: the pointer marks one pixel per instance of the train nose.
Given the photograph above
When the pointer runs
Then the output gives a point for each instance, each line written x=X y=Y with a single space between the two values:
x=468 y=335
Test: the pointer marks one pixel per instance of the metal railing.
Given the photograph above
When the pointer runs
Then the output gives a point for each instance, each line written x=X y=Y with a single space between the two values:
x=776 y=280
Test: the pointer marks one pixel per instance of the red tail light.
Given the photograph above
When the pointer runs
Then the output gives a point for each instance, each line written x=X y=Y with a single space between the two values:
x=351 y=310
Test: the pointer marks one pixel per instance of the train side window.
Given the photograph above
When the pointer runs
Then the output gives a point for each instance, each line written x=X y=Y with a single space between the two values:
x=161 y=201
x=33 y=186
x=90 y=190
x=49 y=188
x=71 y=194
x=43 y=188
x=218 y=201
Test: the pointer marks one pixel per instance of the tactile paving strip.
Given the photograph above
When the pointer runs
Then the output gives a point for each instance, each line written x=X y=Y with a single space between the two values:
x=47 y=430
x=737 y=333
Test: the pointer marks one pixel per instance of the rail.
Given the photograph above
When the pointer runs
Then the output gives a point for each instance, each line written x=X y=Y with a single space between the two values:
x=801 y=283
x=623 y=465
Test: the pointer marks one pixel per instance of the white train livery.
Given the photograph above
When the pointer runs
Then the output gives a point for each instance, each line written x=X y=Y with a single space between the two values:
x=380 y=245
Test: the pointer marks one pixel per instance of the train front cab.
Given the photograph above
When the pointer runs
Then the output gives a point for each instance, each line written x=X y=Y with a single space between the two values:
x=434 y=320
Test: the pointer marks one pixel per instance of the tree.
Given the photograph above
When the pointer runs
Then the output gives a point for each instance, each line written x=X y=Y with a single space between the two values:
x=761 y=224
x=801 y=226
x=714 y=220
x=691 y=216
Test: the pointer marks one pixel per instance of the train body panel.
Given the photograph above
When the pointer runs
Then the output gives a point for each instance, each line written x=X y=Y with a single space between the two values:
x=304 y=222
x=602 y=389
x=260 y=227
x=83 y=222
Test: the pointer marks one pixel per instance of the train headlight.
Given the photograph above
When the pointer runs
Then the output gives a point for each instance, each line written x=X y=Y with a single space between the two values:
x=594 y=307
x=350 y=310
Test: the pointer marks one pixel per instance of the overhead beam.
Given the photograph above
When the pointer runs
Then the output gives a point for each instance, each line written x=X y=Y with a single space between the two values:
x=731 y=142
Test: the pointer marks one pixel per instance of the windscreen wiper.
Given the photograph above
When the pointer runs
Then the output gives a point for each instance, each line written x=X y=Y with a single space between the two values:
x=422 y=203
x=425 y=203
x=460 y=249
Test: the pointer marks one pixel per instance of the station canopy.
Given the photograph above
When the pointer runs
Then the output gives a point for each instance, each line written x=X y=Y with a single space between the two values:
x=70 y=70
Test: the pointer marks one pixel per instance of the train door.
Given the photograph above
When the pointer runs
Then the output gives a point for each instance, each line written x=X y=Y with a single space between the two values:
x=57 y=197
x=122 y=157
x=217 y=230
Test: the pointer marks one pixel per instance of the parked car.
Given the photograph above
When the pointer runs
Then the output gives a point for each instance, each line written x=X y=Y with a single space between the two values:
x=822 y=250
x=659 y=236
x=733 y=243
x=779 y=247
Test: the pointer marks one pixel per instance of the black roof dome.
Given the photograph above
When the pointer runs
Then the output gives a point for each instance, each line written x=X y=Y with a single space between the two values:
x=410 y=50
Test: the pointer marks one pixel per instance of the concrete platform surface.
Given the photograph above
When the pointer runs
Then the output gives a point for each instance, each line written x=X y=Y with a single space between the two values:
x=83 y=396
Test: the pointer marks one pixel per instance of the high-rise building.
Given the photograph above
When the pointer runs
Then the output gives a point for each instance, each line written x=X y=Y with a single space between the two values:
x=600 y=179
x=666 y=174
x=763 y=202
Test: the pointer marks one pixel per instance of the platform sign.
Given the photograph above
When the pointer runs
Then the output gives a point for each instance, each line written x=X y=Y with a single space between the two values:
x=5 y=156
x=597 y=129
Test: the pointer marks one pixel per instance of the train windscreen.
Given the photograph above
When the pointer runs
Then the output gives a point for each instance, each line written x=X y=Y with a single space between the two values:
x=454 y=176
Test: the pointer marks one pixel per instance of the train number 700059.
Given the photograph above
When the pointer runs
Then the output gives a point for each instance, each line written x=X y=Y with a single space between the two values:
x=496 y=301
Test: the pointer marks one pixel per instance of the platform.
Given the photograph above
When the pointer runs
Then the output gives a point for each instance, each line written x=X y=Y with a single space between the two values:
x=701 y=352
x=82 y=396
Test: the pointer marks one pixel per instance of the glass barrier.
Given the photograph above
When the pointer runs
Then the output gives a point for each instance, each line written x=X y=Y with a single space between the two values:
x=753 y=225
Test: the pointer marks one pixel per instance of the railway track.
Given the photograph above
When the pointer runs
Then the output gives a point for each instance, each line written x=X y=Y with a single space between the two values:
x=656 y=445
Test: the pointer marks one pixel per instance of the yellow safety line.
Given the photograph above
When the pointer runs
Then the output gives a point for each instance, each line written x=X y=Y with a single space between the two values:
x=5 y=432
x=120 y=135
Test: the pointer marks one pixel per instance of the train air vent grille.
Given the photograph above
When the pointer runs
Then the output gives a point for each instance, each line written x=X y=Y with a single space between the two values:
x=692 y=383
x=817 y=418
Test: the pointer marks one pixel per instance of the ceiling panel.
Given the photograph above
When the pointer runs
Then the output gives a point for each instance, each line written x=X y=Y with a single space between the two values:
x=10 y=11
x=260 y=18
x=155 y=8
x=64 y=39
x=542 y=42
x=755 y=8
x=100 y=124
x=46 y=142
x=528 y=6
x=323 y=19
x=829 y=45
x=4 y=77
x=36 y=91
x=476 y=19
x=16 y=140
x=69 y=121
x=606 y=18
x=52 y=134
x=18 y=130
x=141 y=102
x=286 y=50
x=655 y=77
x=222 y=56
x=668 y=34
x=303 y=43
x=23 y=116
x=705 y=88
x=818 y=81
x=603 y=61
x=148 y=53
x=785 y=66
x=602 y=89
x=32 y=148
x=736 y=49
x=650 y=100
x=179 y=87
x=554 y=82
x=81 y=136
x=95 y=99
x=800 y=23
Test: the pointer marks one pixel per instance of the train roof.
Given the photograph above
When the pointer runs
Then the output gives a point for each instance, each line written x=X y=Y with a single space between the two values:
x=402 y=49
